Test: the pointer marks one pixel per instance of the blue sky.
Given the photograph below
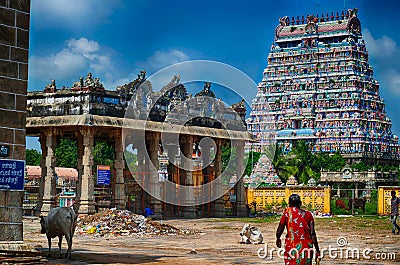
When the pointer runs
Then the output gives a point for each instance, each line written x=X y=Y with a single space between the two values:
x=115 y=39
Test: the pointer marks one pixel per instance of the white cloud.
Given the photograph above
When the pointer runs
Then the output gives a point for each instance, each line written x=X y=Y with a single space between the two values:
x=384 y=54
x=71 y=13
x=391 y=80
x=83 y=45
x=384 y=47
x=78 y=56
x=161 y=59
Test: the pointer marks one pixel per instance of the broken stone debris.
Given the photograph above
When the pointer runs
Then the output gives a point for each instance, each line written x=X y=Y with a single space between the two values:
x=113 y=222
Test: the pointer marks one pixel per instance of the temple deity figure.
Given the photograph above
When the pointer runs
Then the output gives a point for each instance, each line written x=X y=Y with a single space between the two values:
x=89 y=82
x=51 y=88
x=142 y=75
x=97 y=82
x=149 y=101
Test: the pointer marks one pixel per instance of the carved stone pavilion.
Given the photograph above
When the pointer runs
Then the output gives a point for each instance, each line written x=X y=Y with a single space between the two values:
x=318 y=86
x=87 y=111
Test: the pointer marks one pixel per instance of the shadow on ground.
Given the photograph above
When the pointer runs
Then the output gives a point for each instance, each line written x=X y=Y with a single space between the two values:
x=83 y=256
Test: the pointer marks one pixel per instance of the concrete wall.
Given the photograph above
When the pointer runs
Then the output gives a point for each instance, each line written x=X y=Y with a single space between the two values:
x=14 y=45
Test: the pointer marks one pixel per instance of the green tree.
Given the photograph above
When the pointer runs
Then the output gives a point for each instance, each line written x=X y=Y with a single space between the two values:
x=103 y=154
x=331 y=162
x=67 y=153
x=298 y=163
x=253 y=157
x=131 y=160
x=33 y=157
x=303 y=164
x=228 y=158
x=361 y=166
x=283 y=166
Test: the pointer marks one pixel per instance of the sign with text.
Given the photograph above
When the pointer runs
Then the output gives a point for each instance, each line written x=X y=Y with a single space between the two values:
x=12 y=174
x=103 y=175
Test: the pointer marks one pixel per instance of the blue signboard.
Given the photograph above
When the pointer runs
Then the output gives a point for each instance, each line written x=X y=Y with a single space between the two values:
x=111 y=100
x=12 y=174
x=103 y=175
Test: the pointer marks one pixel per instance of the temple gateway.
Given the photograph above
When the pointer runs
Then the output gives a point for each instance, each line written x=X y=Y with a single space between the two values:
x=319 y=87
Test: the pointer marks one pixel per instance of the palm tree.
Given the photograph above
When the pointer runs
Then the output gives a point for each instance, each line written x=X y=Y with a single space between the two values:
x=303 y=159
x=297 y=163
x=282 y=166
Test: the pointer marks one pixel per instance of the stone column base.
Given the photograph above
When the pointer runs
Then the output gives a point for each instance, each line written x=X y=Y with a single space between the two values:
x=47 y=205
x=241 y=210
x=86 y=208
x=17 y=252
x=120 y=204
x=189 y=212
x=157 y=208
x=219 y=208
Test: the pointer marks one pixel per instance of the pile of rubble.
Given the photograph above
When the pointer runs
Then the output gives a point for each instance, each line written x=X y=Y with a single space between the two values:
x=113 y=222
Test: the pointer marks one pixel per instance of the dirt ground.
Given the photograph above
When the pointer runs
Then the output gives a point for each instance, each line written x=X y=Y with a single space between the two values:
x=218 y=243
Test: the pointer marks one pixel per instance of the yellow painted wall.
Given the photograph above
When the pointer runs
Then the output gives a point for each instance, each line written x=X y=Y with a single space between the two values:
x=384 y=199
x=317 y=197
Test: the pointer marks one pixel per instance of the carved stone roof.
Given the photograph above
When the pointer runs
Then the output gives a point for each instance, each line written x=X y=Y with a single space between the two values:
x=88 y=83
x=206 y=92
x=345 y=23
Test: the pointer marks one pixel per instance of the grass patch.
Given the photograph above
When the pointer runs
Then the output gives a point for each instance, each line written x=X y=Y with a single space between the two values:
x=224 y=227
x=371 y=222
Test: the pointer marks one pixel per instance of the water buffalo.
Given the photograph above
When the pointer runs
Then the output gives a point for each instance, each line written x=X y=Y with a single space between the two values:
x=59 y=222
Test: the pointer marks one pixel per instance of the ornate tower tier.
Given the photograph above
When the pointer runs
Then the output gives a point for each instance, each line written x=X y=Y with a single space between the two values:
x=318 y=86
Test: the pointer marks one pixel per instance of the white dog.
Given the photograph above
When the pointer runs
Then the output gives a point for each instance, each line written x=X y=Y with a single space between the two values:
x=250 y=235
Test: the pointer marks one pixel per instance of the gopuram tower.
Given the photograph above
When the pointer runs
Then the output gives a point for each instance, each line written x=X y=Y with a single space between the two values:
x=318 y=86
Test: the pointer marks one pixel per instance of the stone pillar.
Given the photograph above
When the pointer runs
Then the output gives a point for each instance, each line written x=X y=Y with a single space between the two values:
x=14 y=46
x=48 y=181
x=79 y=143
x=86 y=199
x=241 y=198
x=119 y=165
x=42 y=140
x=356 y=190
x=140 y=178
x=219 y=209
x=187 y=151
x=207 y=175
x=172 y=152
x=171 y=188
x=153 y=149
x=206 y=156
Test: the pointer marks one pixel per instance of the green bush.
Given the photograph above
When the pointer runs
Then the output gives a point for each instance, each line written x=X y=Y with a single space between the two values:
x=374 y=196
x=371 y=208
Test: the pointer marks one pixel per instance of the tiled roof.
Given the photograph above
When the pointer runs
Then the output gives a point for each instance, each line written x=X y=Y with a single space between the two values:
x=35 y=172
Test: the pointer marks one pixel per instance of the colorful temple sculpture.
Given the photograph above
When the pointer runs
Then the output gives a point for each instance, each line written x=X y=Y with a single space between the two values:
x=318 y=86
x=263 y=175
